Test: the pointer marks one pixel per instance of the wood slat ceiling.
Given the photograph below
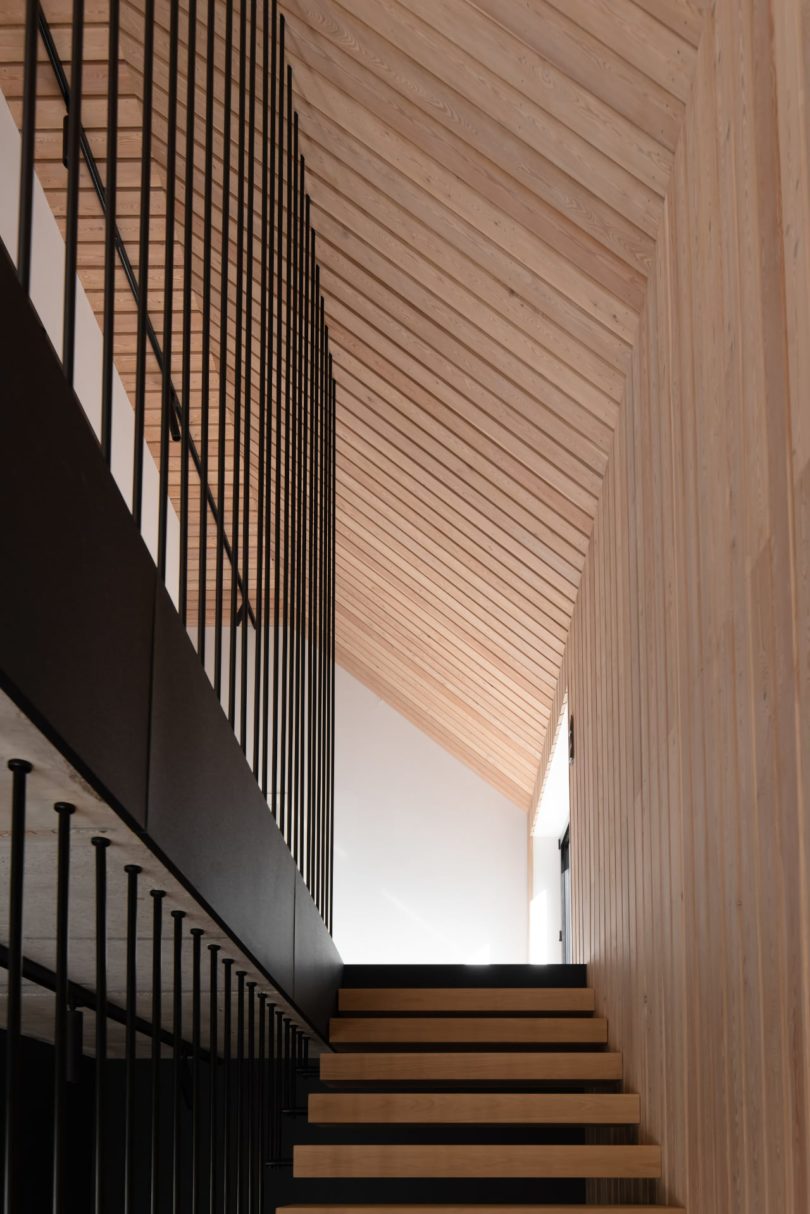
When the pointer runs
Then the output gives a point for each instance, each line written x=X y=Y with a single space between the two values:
x=487 y=182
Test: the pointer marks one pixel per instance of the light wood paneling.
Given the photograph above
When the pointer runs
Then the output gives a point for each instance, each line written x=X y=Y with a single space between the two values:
x=471 y=1108
x=338 y=1160
x=499 y=1208
x=465 y=999
x=528 y=1030
x=488 y=183
x=471 y=1067
x=688 y=663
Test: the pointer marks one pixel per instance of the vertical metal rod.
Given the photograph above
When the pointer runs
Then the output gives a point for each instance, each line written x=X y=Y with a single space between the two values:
x=278 y=1081
x=261 y=1106
x=299 y=498
x=271 y=193
x=213 y=1069
x=143 y=259
x=177 y=1061
x=223 y=344
x=13 y=1197
x=110 y=193
x=249 y=262
x=322 y=609
x=238 y=611
x=196 y=1154
x=228 y=1186
x=302 y=515
x=292 y=773
x=20 y=769
x=132 y=871
x=202 y=603
x=292 y=496
x=332 y=534
x=313 y=534
x=167 y=387
x=188 y=248
x=276 y=785
x=64 y=810
x=74 y=131
x=29 y=123
x=250 y=1129
x=157 y=896
x=259 y=664
x=100 y=844
x=285 y=617
x=239 y=1094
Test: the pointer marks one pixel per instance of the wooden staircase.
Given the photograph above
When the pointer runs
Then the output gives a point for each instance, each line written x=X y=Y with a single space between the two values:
x=463 y=1096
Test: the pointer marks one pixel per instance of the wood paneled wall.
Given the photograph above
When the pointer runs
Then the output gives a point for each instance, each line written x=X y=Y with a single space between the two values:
x=688 y=662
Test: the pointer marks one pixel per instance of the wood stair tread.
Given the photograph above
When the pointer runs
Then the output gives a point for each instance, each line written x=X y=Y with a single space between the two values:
x=484 y=1208
x=535 y=1030
x=466 y=999
x=431 y=1161
x=505 y=1108
x=468 y=1066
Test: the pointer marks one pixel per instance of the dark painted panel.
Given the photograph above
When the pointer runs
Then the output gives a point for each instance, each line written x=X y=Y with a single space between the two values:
x=318 y=966
x=206 y=812
x=78 y=583
x=464 y=975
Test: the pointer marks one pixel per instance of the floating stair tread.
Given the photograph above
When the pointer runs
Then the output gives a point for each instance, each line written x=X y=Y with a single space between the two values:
x=400 y=1161
x=535 y=1030
x=492 y=1208
x=459 y=1108
x=466 y=999
x=471 y=1067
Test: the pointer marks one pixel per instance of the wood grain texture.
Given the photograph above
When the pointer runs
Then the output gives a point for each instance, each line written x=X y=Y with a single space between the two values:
x=471 y=1067
x=492 y=1208
x=447 y=1159
x=471 y=1108
x=687 y=667
x=487 y=185
x=465 y=999
x=525 y=1030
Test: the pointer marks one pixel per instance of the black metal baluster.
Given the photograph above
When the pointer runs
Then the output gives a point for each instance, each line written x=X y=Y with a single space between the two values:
x=285 y=614
x=74 y=127
x=143 y=259
x=261 y=1107
x=228 y=1186
x=157 y=896
x=323 y=624
x=250 y=1084
x=20 y=769
x=238 y=610
x=29 y=122
x=188 y=248
x=196 y=1154
x=100 y=844
x=178 y=1186
x=332 y=557
x=239 y=1093
x=249 y=260
x=299 y=498
x=258 y=726
x=313 y=539
x=213 y=1102
x=64 y=810
x=223 y=344
x=202 y=576
x=292 y=494
x=276 y=780
x=132 y=871
x=271 y=192
x=167 y=387
x=110 y=193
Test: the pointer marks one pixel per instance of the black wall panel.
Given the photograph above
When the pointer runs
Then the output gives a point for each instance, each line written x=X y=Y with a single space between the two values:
x=78 y=584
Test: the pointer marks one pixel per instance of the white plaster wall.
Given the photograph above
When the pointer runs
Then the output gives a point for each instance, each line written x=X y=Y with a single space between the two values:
x=430 y=862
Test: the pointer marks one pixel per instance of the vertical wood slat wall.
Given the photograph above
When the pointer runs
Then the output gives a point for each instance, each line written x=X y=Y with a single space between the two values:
x=688 y=661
